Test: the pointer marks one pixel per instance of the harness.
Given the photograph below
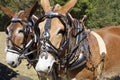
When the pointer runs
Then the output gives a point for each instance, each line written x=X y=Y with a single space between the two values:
x=75 y=55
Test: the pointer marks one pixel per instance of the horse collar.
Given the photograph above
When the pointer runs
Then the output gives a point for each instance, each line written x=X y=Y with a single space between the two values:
x=82 y=52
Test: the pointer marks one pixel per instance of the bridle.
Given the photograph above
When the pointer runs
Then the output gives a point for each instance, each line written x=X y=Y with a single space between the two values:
x=80 y=39
x=44 y=39
x=27 y=29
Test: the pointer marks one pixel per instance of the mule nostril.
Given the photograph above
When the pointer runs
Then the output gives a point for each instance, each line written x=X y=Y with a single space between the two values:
x=48 y=67
x=12 y=63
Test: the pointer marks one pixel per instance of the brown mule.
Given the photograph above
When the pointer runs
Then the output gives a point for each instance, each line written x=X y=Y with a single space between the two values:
x=19 y=33
x=75 y=52
x=20 y=36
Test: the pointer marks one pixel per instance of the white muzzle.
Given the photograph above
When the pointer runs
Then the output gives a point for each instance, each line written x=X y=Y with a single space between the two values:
x=12 y=59
x=45 y=64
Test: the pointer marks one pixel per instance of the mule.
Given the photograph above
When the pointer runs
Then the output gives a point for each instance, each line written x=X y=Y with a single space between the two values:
x=20 y=35
x=74 y=51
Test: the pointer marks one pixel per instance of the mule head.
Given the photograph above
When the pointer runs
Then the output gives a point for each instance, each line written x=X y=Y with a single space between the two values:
x=53 y=28
x=19 y=32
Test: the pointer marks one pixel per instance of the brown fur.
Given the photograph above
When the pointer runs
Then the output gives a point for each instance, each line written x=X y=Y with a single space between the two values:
x=112 y=63
x=45 y=5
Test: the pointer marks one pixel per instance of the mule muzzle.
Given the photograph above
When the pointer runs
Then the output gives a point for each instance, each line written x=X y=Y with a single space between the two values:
x=44 y=63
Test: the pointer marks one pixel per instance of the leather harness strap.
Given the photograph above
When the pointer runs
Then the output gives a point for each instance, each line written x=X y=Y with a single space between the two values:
x=100 y=41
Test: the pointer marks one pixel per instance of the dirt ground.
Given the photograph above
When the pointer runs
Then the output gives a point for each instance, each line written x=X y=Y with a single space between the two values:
x=8 y=73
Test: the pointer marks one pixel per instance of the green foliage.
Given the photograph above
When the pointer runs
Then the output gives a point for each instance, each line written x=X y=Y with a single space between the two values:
x=100 y=13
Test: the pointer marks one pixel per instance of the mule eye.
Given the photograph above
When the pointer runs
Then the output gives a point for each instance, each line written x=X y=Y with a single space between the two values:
x=20 y=31
x=61 y=31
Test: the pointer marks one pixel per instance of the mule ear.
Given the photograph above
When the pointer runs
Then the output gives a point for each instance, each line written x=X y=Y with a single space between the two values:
x=67 y=7
x=7 y=11
x=46 y=5
x=31 y=10
x=57 y=7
